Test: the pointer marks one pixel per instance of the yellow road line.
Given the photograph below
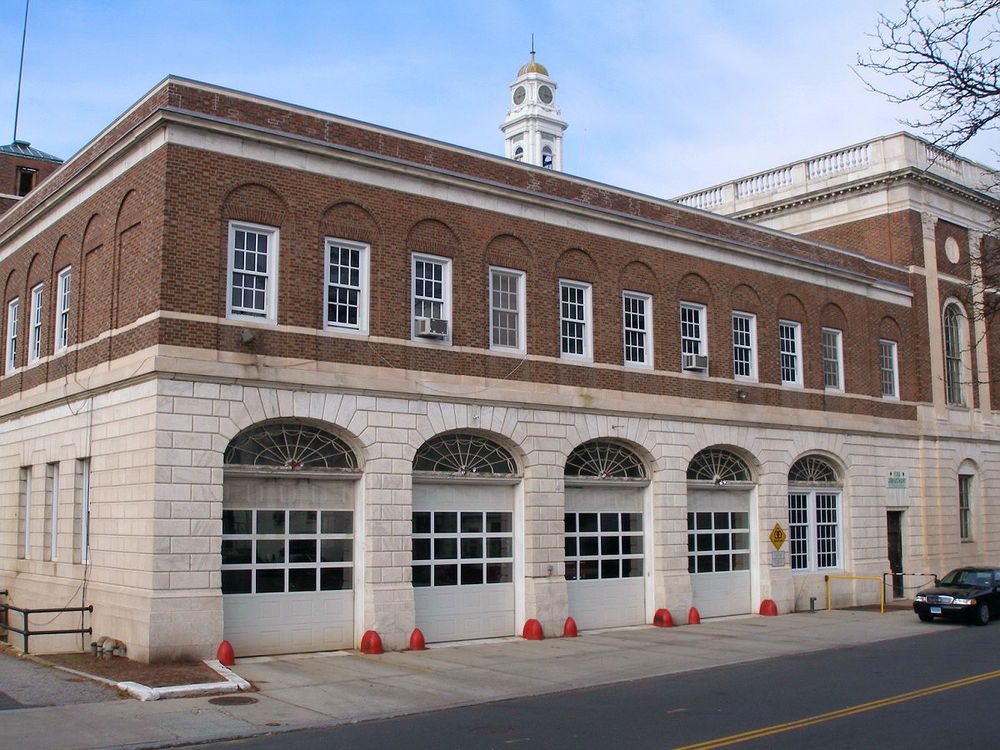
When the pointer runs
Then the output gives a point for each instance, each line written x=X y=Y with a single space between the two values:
x=840 y=713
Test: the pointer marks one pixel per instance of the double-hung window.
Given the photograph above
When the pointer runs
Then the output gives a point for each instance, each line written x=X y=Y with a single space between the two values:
x=637 y=325
x=744 y=346
x=63 y=283
x=965 y=507
x=507 y=310
x=13 y=312
x=833 y=359
x=432 y=296
x=790 y=348
x=346 y=302
x=575 y=334
x=889 y=374
x=694 y=337
x=35 y=330
x=954 y=363
x=253 y=267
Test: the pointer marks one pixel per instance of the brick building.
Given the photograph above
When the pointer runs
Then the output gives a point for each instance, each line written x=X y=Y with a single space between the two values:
x=282 y=377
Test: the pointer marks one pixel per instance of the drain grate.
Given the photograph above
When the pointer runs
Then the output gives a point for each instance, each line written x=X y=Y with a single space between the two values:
x=232 y=700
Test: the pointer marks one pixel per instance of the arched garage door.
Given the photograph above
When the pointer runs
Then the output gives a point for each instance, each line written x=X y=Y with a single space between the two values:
x=288 y=540
x=719 y=487
x=604 y=535
x=463 y=538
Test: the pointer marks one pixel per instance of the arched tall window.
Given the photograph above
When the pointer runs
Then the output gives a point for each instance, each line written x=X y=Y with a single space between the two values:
x=814 y=514
x=954 y=345
x=547 y=157
x=291 y=446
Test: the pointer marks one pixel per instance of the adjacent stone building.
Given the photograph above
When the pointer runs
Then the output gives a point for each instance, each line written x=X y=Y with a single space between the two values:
x=281 y=377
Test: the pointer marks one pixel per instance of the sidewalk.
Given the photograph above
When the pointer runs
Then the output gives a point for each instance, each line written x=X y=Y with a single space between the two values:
x=340 y=687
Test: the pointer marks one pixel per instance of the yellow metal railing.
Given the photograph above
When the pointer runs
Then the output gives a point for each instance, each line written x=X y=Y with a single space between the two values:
x=881 y=589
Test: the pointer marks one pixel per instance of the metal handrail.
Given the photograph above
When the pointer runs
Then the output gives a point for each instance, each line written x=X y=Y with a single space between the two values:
x=26 y=632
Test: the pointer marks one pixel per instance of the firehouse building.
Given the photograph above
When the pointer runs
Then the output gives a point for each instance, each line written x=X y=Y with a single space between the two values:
x=280 y=377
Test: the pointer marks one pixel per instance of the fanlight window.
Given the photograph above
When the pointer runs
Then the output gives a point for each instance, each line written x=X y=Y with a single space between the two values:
x=290 y=446
x=718 y=466
x=602 y=459
x=463 y=455
x=813 y=470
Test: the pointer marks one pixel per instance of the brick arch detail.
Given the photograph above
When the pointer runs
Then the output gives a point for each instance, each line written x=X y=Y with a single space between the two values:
x=433 y=237
x=639 y=277
x=256 y=203
x=509 y=251
x=349 y=221
x=576 y=264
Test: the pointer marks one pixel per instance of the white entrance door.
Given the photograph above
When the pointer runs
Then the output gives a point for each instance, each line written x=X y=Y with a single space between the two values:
x=463 y=561
x=287 y=565
x=604 y=556
x=719 y=551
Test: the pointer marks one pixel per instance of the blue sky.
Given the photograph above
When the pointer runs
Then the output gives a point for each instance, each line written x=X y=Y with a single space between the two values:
x=662 y=97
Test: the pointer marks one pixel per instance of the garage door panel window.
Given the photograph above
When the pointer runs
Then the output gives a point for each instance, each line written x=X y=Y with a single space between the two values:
x=460 y=548
x=282 y=551
x=718 y=542
x=603 y=545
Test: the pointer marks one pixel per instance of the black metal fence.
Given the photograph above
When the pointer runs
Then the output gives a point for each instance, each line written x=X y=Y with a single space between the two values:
x=26 y=631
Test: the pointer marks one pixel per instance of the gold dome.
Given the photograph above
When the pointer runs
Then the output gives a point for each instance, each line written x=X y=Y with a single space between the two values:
x=532 y=67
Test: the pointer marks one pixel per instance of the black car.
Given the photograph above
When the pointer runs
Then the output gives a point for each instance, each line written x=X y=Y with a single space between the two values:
x=965 y=593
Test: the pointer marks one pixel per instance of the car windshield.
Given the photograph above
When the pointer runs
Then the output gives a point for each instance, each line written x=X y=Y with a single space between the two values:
x=969 y=578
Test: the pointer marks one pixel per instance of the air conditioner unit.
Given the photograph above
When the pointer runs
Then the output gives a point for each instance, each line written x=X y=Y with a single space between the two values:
x=694 y=362
x=431 y=328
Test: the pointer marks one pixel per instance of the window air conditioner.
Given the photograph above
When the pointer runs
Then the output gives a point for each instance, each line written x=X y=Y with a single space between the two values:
x=694 y=362
x=431 y=328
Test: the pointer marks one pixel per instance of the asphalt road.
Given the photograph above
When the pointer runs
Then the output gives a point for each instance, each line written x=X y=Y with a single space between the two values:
x=892 y=694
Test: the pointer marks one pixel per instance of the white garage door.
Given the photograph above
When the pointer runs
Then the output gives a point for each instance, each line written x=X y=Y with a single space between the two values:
x=287 y=565
x=719 y=551
x=604 y=556
x=463 y=561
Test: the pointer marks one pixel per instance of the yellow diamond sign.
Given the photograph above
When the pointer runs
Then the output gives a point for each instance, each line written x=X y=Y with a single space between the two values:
x=778 y=536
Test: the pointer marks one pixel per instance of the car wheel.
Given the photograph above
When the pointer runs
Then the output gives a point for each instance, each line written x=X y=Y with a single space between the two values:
x=982 y=616
x=925 y=616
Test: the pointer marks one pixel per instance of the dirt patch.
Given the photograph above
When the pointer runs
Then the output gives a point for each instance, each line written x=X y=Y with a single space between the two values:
x=120 y=669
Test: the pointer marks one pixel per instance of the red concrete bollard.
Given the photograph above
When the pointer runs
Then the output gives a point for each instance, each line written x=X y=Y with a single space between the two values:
x=569 y=628
x=417 y=641
x=225 y=654
x=768 y=608
x=533 y=630
x=662 y=619
x=371 y=643
x=693 y=617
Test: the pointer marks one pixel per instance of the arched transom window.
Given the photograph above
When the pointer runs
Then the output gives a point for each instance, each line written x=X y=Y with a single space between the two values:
x=718 y=466
x=292 y=446
x=812 y=470
x=462 y=454
x=602 y=459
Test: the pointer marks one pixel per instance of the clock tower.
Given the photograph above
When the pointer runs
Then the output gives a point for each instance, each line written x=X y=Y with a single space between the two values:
x=533 y=130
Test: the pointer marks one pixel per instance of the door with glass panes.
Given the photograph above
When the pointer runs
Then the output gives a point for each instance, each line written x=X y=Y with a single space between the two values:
x=287 y=564
x=719 y=551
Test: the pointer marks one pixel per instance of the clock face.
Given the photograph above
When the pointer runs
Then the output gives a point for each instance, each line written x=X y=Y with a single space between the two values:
x=519 y=95
x=545 y=94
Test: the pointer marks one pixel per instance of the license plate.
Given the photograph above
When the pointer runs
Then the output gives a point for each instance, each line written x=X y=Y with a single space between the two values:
x=935 y=610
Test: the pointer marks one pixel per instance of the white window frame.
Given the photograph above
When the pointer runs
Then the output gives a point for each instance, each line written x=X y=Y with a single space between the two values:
x=83 y=472
x=444 y=300
x=956 y=363
x=63 y=290
x=833 y=358
x=52 y=482
x=268 y=312
x=585 y=306
x=642 y=333
x=361 y=288
x=518 y=279
x=793 y=352
x=35 y=324
x=889 y=366
x=807 y=532
x=749 y=346
x=13 y=314
x=966 y=484
x=693 y=342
